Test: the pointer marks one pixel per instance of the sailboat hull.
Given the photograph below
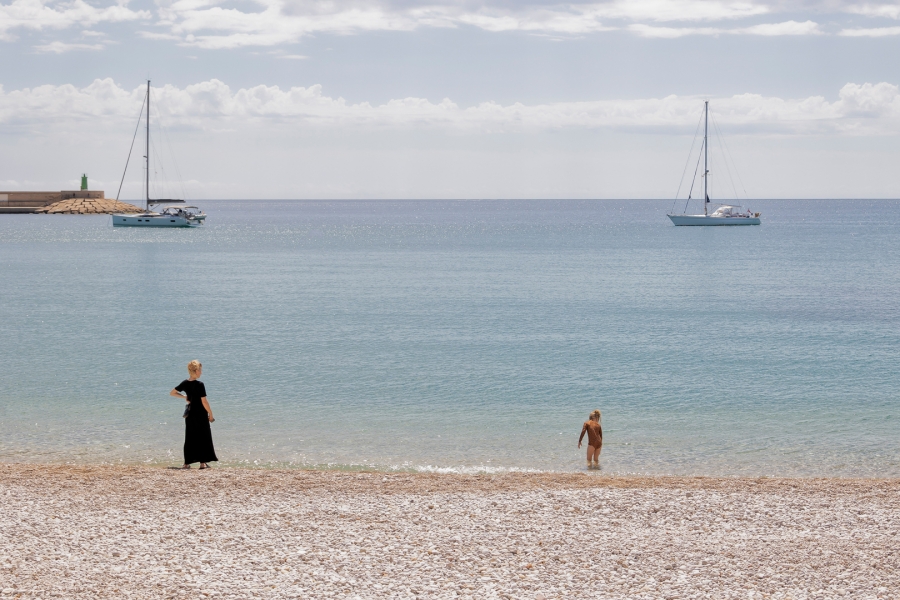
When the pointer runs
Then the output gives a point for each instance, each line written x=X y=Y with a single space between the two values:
x=153 y=221
x=708 y=220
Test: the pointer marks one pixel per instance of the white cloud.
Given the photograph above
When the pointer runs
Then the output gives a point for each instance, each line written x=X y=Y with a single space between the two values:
x=765 y=29
x=890 y=11
x=155 y=35
x=58 y=47
x=211 y=24
x=39 y=15
x=785 y=28
x=67 y=104
x=866 y=109
x=218 y=24
x=681 y=10
x=872 y=32
x=650 y=31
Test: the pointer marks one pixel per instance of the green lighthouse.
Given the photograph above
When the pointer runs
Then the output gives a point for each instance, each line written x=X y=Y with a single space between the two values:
x=84 y=182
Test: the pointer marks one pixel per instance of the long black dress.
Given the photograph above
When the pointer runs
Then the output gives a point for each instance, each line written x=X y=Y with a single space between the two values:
x=198 y=444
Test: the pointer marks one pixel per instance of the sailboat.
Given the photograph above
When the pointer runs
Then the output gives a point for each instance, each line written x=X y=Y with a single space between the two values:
x=169 y=216
x=725 y=214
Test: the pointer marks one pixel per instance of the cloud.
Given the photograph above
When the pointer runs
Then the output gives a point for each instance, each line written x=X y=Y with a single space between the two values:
x=212 y=24
x=765 y=29
x=785 y=28
x=155 y=35
x=67 y=104
x=859 y=109
x=650 y=31
x=681 y=10
x=873 y=32
x=224 y=24
x=63 y=47
x=39 y=15
x=890 y=11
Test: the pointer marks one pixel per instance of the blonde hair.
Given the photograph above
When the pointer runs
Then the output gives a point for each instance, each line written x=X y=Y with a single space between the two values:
x=596 y=413
x=194 y=366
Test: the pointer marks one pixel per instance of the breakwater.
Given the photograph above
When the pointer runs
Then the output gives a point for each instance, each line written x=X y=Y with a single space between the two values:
x=29 y=202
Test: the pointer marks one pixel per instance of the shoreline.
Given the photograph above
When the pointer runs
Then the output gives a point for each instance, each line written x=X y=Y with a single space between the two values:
x=460 y=471
x=465 y=471
x=580 y=478
x=149 y=532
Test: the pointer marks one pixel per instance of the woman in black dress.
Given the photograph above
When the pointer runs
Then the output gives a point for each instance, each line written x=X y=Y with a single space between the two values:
x=198 y=444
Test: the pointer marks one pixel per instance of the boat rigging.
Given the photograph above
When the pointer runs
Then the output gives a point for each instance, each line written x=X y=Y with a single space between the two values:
x=169 y=216
x=725 y=214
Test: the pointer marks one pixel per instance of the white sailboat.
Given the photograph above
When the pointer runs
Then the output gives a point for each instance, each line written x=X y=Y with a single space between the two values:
x=169 y=216
x=725 y=214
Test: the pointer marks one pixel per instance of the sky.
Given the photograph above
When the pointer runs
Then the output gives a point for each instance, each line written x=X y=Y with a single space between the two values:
x=470 y=99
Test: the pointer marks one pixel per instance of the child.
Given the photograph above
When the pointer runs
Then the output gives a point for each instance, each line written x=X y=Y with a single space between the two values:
x=595 y=439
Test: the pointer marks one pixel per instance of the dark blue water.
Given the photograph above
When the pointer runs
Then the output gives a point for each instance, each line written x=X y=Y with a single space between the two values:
x=460 y=336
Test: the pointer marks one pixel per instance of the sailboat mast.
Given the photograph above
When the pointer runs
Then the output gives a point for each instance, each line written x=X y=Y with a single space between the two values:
x=705 y=154
x=147 y=156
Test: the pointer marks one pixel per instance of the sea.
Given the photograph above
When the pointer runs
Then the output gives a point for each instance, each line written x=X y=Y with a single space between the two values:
x=460 y=336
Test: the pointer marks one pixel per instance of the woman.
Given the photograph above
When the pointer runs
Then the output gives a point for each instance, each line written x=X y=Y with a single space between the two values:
x=198 y=444
x=595 y=439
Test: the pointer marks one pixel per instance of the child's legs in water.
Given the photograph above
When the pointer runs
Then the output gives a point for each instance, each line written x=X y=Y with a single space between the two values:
x=596 y=455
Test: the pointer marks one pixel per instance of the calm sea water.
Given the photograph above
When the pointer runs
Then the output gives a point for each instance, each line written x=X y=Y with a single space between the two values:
x=441 y=335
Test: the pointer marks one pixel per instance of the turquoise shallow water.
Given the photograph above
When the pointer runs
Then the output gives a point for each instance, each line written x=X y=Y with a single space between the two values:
x=460 y=336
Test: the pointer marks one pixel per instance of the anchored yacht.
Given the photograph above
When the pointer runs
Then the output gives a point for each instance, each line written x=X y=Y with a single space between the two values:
x=168 y=216
x=725 y=214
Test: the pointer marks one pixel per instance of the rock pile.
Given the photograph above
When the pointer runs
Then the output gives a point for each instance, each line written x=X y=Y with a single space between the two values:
x=88 y=206
x=144 y=533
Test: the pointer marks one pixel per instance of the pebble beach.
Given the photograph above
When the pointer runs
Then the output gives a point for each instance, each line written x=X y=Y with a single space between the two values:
x=141 y=532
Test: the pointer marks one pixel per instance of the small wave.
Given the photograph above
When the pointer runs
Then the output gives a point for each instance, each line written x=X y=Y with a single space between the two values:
x=369 y=467
x=464 y=469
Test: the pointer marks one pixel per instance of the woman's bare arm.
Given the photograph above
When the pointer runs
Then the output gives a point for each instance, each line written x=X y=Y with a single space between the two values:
x=178 y=394
x=581 y=437
x=208 y=409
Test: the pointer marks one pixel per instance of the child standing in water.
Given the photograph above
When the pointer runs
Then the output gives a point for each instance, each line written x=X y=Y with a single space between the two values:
x=595 y=439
